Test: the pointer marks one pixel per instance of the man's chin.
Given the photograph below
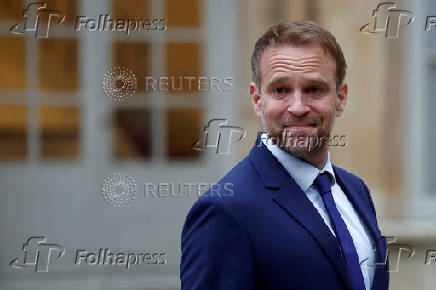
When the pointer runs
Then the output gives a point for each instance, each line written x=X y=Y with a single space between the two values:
x=299 y=151
x=300 y=145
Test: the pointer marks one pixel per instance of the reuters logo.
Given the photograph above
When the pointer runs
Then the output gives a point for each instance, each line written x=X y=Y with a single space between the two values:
x=119 y=189
x=119 y=84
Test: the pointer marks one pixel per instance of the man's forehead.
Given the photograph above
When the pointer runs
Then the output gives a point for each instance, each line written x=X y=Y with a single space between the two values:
x=312 y=59
x=296 y=51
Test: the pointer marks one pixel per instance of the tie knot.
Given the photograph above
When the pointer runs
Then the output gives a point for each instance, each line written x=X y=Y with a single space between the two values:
x=323 y=183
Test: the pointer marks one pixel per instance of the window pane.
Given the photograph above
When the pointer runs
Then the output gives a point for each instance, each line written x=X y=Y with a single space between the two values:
x=57 y=64
x=59 y=132
x=11 y=10
x=135 y=57
x=132 y=131
x=13 y=62
x=183 y=13
x=183 y=131
x=13 y=132
x=132 y=9
x=183 y=61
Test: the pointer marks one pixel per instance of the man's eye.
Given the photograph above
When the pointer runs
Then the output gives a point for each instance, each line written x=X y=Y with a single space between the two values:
x=280 y=90
x=313 y=90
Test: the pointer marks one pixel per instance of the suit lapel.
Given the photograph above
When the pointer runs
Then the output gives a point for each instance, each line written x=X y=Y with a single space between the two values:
x=288 y=195
x=357 y=197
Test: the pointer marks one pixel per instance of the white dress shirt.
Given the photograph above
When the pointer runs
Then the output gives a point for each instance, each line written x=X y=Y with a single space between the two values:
x=304 y=175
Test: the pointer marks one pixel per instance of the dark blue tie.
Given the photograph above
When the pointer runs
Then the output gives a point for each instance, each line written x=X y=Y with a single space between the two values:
x=342 y=234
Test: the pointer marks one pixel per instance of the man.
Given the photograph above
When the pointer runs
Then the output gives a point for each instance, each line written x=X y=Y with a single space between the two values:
x=294 y=220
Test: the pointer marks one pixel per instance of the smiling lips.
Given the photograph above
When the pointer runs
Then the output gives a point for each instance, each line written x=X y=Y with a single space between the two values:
x=298 y=126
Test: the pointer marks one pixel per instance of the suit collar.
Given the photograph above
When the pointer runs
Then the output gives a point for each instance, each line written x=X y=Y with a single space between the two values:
x=301 y=171
x=270 y=170
x=357 y=197
x=289 y=196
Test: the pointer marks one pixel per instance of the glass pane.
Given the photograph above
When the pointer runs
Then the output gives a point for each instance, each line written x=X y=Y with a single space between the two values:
x=13 y=132
x=59 y=132
x=135 y=57
x=132 y=131
x=11 y=10
x=183 y=13
x=183 y=62
x=184 y=129
x=57 y=64
x=132 y=9
x=13 y=62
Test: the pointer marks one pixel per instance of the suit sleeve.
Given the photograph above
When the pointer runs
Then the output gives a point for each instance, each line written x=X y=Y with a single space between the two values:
x=216 y=253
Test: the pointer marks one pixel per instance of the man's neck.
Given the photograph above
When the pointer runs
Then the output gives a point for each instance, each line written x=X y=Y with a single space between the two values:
x=316 y=160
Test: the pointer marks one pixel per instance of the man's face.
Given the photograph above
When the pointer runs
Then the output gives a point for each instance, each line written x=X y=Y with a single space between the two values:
x=298 y=100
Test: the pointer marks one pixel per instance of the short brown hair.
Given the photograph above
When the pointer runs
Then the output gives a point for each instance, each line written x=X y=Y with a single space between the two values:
x=298 y=33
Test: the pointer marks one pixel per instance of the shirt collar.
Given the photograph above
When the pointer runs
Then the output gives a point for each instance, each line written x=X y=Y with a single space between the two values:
x=301 y=171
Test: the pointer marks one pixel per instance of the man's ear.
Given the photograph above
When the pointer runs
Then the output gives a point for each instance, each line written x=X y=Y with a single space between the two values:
x=256 y=99
x=341 y=99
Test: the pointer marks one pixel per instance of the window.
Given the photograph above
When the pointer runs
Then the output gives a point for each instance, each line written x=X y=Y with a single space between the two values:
x=160 y=123
x=40 y=110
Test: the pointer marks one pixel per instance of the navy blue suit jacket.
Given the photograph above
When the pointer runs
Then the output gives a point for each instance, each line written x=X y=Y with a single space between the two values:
x=266 y=234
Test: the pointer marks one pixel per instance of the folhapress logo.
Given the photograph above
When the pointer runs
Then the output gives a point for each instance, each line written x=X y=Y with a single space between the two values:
x=217 y=134
x=38 y=254
x=37 y=19
x=388 y=20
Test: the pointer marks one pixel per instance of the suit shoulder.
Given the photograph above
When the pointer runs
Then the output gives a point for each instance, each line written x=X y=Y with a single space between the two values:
x=351 y=177
x=237 y=182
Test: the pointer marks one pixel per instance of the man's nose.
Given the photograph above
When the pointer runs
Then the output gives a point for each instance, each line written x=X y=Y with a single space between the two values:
x=297 y=106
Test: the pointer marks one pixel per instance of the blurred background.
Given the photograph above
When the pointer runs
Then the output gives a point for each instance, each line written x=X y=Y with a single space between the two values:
x=60 y=136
